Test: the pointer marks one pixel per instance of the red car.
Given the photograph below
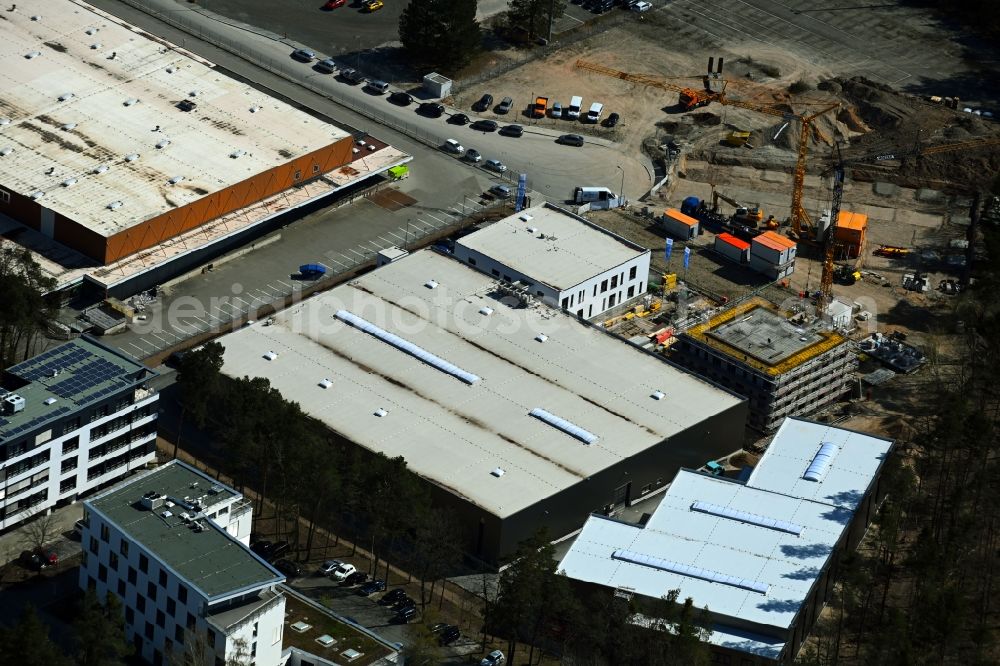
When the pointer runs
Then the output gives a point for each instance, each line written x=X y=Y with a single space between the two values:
x=333 y=4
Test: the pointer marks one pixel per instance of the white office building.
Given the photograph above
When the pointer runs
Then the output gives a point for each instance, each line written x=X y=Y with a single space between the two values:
x=171 y=545
x=74 y=419
x=560 y=258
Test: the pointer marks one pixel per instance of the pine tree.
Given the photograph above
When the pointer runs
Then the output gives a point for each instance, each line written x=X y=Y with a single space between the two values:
x=99 y=632
x=28 y=644
x=533 y=16
x=441 y=34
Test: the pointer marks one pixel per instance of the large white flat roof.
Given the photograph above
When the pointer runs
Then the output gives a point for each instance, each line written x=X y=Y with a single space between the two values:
x=562 y=251
x=53 y=141
x=451 y=431
x=782 y=561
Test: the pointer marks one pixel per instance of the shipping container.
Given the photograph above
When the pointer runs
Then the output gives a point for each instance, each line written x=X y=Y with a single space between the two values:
x=850 y=233
x=773 y=248
x=679 y=225
x=732 y=248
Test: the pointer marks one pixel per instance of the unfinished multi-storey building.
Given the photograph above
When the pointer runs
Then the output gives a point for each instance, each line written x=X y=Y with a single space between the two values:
x=784 y=365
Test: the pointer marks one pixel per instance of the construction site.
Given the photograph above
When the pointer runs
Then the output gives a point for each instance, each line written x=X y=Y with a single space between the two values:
x=863 y=191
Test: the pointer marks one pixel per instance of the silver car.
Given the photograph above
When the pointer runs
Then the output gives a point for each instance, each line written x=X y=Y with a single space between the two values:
x=495 y=165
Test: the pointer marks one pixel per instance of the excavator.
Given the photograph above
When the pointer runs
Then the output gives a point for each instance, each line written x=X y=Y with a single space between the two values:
x=751 y=216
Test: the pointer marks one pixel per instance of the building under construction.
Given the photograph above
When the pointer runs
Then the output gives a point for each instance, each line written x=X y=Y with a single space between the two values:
x=783 y=364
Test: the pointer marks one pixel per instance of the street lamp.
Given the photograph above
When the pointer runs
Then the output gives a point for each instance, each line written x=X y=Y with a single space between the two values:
x=621 y=192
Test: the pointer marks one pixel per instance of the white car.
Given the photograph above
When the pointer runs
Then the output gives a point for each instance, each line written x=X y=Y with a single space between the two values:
x=494 y=658
x=329 y=566
x=343 y=571
x=453 y=146
x=642 y=6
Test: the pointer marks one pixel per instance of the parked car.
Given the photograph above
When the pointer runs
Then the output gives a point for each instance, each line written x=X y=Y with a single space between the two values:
x=556 y=110
x=439 y=627
x=449 y=635
x=355 y=578
x=459 y=119
x=431 y=109
x=352 y=76
x=505 y=104
x=392 y=596
x=642 y=7
x=373 y=5
x=452 y=146
x=278 y=549
x=289 y=568
x=327 y=66
x=401 y=98
x=495 y=165
x=303 y=55
x=262 y=547
x=371 y=587
x=473 y=155
x=484 y=103
x=500 y=191
x=405 y=615
x=612 y=120
x=328 y=567
x=333 y=4
x=378 y=87
x=570 y=140
x=405 y=602
x=39 y=559
x=494 y=658
x=485 y=125
x=343 y=571
x=512 y=130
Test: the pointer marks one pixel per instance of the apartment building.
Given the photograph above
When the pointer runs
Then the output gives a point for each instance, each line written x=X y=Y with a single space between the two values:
x=72 y=419
x=171 y=544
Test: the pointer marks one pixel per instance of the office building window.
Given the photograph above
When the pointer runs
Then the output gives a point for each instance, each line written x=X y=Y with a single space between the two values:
x=631 y=291
x=131 y=576
x=123 y=548
x=113 y=561
x=472 y=262
x=93 y=545
x=71 y=444
x=140 y=603
x=182 y=594
x=105 y=533
x=149 y=630
x=102 y=573
x=151 y=591
x=161 y=619
x=604 y=286
x=143 y=563
x=129 y=615
x=121 y=589
x=171 y=606
x=163 y=578
x=631 y=272
x=614 y=281
x=179 y=634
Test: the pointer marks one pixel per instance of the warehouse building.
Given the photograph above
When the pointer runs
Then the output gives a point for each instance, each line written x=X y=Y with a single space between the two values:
x=171 y=545
x=762 y=554
x=122 y=154
x=73 y=419
x=785 y=365
x=519 y=416
x=560 y=258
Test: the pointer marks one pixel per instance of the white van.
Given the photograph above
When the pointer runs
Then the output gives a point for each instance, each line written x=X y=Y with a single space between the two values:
x=589 y=194
x=595 y=112
x=573 y=110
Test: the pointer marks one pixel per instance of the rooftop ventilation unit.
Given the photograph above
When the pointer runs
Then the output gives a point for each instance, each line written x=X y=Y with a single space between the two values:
x=171 y=70
x=431 y=284
x=91 y=31
x=541 y=337
x=115 y=205
x=100 y=168
x=36 y=17
x=497 y=472
x=31 y=55
x=567 y=427
x=821 y=462
x=49 y=401
x=236 y=153
x=215 y=489
x=270 y=356
x=524 y=217
x=132 y=157
x=152 y=501
x=65 y=97
x=68 y=182
x=37 y=195
x=326 y=383
x=4 y=121
x=380 y=412
x=254 y=109
x=13 y=403
x=175 y=180
x=658 y=395
x=532 y=230
x=163 y=143
x=486 y=311
x=688 y=570
x=406 y=346
x=746 y=517
x=4 y=152
x=131 y=101
x=68 y=127
x=96 y=45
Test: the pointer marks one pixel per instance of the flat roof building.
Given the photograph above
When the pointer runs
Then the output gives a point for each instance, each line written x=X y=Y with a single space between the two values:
x=561 y=258
x=171 y=545
x=517 y=414
x=74 y=418
x=761 y=554
x=785 y=364
x=113 y=141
